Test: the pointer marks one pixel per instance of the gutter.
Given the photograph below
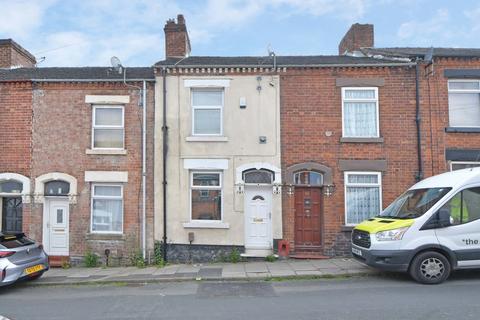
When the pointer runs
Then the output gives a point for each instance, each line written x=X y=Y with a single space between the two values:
x=394 y=64
x=86 y=80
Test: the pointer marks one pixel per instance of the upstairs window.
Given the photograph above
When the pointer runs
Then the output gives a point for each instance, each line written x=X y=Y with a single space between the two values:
x=464 y=103
x=108 y=127
x=458 y=165
x=360 y=112
x=207 y=112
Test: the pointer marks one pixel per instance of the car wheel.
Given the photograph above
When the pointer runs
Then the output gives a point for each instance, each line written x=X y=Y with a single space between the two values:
x=35 y=277
x=430 y=268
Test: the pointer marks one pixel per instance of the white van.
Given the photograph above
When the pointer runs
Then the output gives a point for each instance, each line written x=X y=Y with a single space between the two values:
x=430 y=230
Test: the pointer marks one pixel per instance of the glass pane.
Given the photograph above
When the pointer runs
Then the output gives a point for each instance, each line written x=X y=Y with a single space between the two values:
x=474 y=85
x=57 y=188
x=311 y=178
x=207 y=121
x=459 y=166
x=206 y=97
x=464 y=109
x=257 y=176
x=108 y=116
x=362 y=203
x=206 y=208
x=108 y=138
x=206 y=179
x=112 y=191
x=471 y=206
x=359 y=94
x=107 y=215
x=59 y=215
x=362 y=178
x=11 y=187
x=360 y=119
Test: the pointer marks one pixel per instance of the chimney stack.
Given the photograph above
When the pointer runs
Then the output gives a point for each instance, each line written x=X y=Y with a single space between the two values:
x=358 y=36
x=177 y=43
x=12 y=55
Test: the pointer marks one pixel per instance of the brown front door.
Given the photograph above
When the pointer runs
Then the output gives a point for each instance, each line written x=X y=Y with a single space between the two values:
x=308 y=208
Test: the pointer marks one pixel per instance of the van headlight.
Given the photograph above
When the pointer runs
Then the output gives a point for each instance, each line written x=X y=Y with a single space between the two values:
x=391 y=235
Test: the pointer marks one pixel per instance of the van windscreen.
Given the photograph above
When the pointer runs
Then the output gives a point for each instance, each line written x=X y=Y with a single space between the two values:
x=414 y=203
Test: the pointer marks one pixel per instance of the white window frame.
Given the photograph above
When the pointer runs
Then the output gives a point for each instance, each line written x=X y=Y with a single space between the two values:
x=102 y=106
x=346 y=184
x=207 y=108
x=462 y=162
x=376 y=100
x=462 y=91
x=219 y=187
x=93 y=196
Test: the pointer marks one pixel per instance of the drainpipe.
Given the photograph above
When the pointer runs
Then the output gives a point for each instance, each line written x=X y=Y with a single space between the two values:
x=418 y=119
x=164 y=151
x=144 y=168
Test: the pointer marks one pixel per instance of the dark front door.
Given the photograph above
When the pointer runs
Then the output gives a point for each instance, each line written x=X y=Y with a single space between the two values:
x=308 y=208
x=12 y=214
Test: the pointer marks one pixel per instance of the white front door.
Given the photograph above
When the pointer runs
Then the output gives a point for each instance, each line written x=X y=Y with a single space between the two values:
x=55 y=227
x=258 y=217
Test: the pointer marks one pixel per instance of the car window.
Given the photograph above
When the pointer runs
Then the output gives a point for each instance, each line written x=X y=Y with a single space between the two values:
x=464 y=207
x=16 y=243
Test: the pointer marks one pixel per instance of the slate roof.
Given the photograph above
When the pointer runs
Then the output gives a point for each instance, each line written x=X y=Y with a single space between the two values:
x=267 y=61
x=75 y=74
x=414 y=52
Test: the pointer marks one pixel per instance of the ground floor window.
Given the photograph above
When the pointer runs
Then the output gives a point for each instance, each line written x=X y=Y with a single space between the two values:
x=363 y=196
x=107 y=208
x=206 y=196
x=457 y=165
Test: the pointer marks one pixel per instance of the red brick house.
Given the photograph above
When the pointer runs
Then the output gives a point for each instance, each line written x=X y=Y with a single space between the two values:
x=71 y=167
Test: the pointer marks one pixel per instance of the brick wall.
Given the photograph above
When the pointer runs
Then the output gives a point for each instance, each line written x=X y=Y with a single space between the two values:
x=311 y=105
x=61 y=135
x=434 y=106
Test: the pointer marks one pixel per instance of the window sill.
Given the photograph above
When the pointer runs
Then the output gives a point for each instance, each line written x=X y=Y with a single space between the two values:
x=206 y=225
x=361 y=140
x=105 y=236
x=119 y=152
x=463 y=129
x=206 y=139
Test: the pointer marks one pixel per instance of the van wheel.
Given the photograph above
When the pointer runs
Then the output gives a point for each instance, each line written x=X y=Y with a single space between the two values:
x=430 y=268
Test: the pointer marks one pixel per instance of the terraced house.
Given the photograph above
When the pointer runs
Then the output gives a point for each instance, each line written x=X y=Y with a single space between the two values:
x=72 y=160
x=212 y=155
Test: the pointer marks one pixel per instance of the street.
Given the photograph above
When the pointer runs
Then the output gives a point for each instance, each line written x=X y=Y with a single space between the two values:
x=372 y=297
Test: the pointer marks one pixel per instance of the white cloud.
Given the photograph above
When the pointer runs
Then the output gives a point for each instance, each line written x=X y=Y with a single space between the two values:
x=20 y=18
x=422 y=32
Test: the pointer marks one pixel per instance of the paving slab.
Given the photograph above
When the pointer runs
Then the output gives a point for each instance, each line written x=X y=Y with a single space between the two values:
x=256 y=267
x=308 y=273
x=302 y=266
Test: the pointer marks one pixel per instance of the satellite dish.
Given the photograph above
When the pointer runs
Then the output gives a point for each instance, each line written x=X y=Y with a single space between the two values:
x=116 y=64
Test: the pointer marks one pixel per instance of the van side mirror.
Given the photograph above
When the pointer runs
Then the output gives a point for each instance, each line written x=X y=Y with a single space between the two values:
x=443 y=217
x=440 y=219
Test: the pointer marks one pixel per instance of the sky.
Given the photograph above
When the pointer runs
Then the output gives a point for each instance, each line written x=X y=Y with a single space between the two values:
x=89 y=32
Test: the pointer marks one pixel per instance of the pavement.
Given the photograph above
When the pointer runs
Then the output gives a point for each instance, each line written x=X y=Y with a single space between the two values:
x=255 y=270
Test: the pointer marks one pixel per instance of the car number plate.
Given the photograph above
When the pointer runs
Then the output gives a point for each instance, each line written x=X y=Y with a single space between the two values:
x=38 y=267
x=357 y=251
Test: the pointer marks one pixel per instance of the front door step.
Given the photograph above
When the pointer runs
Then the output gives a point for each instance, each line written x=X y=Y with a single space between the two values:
x=58 y=261
x=256 y=253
